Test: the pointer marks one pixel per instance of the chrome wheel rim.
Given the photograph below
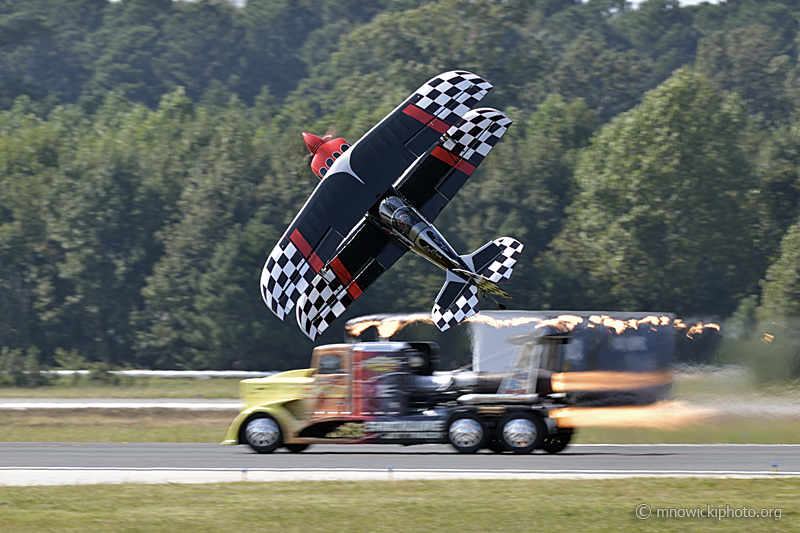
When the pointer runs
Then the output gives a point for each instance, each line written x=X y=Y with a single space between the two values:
x=262 y=432
x=465 y=432
x=519 y=433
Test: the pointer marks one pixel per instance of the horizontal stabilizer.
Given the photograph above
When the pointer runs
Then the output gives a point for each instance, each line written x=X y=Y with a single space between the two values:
x=457 y=301
x=495 y=260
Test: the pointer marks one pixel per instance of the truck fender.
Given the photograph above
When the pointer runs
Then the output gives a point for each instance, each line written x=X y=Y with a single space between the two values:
x=276 y=410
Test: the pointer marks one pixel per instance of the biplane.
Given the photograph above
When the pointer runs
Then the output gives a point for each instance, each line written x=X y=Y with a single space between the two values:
x=378 y=198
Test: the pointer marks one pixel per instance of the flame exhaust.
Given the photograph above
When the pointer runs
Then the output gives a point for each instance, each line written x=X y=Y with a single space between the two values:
x=603 y=380
x=663 y=415
x=389 y=326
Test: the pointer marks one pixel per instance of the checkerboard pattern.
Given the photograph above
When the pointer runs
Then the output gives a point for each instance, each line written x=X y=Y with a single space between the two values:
x=449 y=96
x=500 y=269
x=285 y=277
x=323 y=302
x=464 y=307
x=474 y=135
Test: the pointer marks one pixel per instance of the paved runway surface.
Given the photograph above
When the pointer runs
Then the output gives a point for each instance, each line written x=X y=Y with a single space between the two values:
x=69 y=463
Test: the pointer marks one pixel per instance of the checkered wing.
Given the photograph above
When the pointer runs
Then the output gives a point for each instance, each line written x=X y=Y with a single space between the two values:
x=356 y=266
x=437 y=176
x=476 y=134
x=285 y=277
x=326 y=299
x=449 y=96
x=457 y=301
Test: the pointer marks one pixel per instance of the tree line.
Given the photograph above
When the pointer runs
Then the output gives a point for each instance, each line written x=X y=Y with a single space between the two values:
x=150 y=157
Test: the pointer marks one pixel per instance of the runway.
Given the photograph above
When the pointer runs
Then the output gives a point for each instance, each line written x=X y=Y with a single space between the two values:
x=77 y=463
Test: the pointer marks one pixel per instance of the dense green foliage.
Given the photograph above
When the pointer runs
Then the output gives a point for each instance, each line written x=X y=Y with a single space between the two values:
x=150 y=157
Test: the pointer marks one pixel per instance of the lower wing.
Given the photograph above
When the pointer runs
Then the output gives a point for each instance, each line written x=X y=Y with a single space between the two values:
x=357 y=264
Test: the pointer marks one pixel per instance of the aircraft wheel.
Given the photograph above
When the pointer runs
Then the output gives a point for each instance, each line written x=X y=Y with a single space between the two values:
x=263 y=433
x=466 y=432
x=296 y=448
x=521 y=432
x=556 y=443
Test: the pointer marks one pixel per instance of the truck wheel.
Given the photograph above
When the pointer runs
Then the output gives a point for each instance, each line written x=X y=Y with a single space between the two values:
x=556 y=443
x=296 y=448
x=466 y=432
x=521 y=432
x=263 y=433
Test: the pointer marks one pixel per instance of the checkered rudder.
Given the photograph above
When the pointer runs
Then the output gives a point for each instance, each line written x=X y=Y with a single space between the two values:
x=500 y=269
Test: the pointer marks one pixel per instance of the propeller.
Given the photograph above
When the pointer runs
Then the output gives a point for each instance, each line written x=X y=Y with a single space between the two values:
x=330 y=134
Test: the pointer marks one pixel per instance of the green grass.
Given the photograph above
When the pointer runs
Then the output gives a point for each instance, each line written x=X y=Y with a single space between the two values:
x=408 y=506
x=735 y=431
x=178 y=425
x=129 y=387
x=114 y=425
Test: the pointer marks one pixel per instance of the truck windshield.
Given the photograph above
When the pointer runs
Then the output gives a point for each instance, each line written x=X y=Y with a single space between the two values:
x=329 y=364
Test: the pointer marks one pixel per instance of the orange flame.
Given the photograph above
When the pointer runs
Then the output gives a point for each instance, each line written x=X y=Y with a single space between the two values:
x=661 y=415
x=602 y=380
x=390 y=325
x=562 y=322
x=387 y=326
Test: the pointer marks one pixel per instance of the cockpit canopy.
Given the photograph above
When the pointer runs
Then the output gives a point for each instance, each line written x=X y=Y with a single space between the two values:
x=399 y=215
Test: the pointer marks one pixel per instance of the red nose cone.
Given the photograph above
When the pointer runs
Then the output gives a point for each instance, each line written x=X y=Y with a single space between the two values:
x=312 y=142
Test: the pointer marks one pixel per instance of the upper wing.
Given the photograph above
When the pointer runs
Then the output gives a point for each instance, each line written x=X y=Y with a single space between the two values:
x=356 y=266
x=389 y=148
x=436 y=178
x=358 y=178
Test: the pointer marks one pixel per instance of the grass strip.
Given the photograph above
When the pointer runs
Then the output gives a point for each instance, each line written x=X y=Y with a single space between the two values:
x=409 y=506
x=129 y=387
x=114 y=425
x=179 y=425
x=730 y=431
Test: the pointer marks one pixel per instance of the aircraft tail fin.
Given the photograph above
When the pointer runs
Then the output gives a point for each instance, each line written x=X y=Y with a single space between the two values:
x=457 y=301
x=494 y=260
x=490 y=264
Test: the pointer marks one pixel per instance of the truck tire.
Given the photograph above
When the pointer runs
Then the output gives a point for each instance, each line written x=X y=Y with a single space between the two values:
x=466 y=432
x=556 y=443
x=263 y=433
x=521 y=432
x=296 y=448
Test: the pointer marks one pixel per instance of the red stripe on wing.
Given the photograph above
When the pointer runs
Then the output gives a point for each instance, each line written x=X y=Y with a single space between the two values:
x=426 y=118
x=302 y=244
x=346 y=278
x=460 y=164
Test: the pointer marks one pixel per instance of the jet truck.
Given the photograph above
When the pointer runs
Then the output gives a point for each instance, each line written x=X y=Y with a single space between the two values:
x=389 y=393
